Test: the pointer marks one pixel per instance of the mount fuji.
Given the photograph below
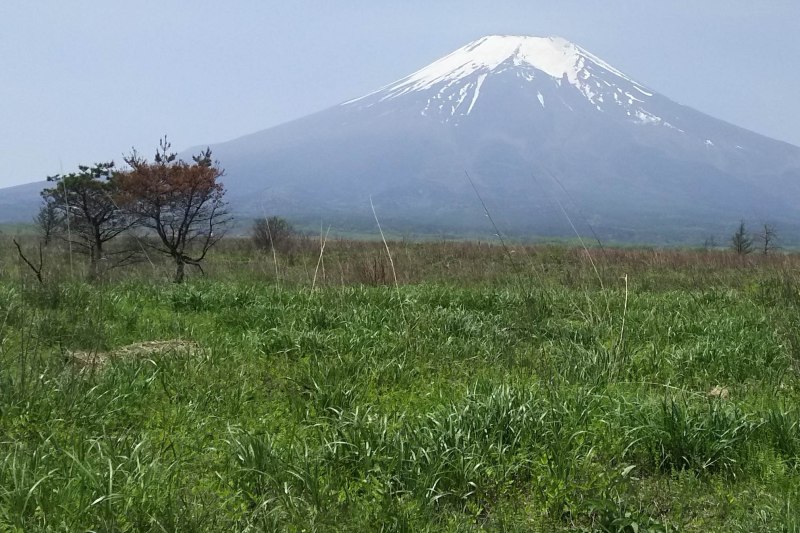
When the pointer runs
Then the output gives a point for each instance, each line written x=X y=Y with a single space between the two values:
x=542 y=128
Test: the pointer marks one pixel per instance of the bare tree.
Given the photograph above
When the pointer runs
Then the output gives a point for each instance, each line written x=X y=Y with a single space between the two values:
x=710 y=243
x=272 y=232
x=48 y=221
x=36 y=269
x=181 y=203
x=767 y=239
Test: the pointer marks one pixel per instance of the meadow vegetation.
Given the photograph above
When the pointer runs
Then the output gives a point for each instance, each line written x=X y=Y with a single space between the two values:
x=517 y=390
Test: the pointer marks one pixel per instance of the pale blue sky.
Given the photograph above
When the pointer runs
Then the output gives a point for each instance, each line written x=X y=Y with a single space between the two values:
x=84 y=81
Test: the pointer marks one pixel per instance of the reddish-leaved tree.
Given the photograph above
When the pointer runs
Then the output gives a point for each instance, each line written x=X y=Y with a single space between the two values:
x=181 y=203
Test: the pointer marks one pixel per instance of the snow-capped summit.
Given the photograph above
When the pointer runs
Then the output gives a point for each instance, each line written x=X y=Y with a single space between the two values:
x=451 y=86
x=554 y=56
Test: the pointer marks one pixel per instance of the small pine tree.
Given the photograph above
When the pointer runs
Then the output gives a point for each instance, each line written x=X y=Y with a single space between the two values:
x=87 y=202
x=741 y=242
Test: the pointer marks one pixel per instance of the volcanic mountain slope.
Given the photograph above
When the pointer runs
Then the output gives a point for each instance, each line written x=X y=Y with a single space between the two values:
x=542 y=127
x=20 y=203
x=538 y=123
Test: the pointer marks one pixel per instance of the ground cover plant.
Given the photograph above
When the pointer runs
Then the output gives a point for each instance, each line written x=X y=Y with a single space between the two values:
x=518 y=389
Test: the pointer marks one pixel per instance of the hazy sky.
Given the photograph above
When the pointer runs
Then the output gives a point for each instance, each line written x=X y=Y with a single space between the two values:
x=84 y=81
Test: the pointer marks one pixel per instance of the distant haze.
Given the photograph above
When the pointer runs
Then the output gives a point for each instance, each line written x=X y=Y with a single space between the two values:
x=538 y=123
x=84 y=82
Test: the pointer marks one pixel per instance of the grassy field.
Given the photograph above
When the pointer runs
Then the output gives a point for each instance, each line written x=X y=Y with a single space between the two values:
x=525 y=390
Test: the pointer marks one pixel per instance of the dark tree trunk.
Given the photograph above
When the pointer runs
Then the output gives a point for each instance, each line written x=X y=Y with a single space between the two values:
x=180 y=267
x=95 y=258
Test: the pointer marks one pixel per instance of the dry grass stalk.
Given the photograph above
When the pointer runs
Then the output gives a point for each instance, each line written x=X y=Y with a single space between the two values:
x=319 y=261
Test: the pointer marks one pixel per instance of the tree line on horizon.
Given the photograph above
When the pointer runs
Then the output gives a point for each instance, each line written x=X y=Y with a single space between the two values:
x=742 y=242
x=178 y=209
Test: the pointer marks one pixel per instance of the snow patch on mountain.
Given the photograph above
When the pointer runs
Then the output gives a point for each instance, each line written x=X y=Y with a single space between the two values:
x=477 y=91
x=647 y=118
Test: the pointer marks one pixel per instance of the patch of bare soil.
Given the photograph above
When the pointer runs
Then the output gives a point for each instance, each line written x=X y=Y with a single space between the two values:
x=94 y=360
x=719 y=392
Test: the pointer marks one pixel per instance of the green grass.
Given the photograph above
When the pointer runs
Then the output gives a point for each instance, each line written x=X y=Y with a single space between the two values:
x=471 y=398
